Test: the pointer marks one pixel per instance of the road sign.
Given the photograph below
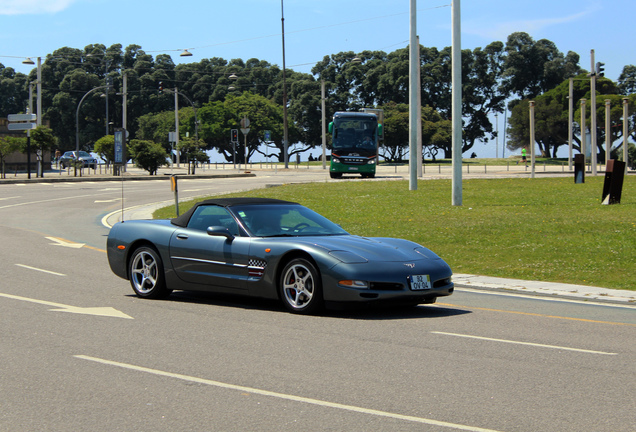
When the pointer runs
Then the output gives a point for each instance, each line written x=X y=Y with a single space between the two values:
x=245 y=123
x=268 y=135
x=22 y=126
x=245 y=131
x=21 y=118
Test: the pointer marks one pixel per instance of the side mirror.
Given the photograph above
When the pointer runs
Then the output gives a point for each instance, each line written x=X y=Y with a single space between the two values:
x=380 y=129
x=220 y=231
x=330 y=127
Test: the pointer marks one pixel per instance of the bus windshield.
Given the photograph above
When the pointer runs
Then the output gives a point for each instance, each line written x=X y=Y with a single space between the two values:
x=355 y=134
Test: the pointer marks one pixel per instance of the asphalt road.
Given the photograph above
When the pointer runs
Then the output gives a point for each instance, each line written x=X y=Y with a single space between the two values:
x=79 y=352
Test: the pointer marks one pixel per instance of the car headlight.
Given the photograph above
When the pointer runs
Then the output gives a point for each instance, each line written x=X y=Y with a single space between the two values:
x=359 y=284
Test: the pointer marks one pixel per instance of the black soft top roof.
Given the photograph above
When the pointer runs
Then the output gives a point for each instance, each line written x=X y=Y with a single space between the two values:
x=183 y=219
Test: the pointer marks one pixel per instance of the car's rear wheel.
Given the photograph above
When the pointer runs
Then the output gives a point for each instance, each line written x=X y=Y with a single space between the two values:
x=146 y=274
x=301 y=287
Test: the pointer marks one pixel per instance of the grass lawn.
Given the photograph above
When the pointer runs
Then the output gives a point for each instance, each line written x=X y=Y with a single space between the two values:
x=546 y=229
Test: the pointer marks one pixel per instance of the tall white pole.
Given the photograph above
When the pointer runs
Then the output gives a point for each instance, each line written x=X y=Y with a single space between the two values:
x=496 y=135
x=124 y=117
x=324 y=121
x=285 y=125
x=176 y=125
x=413 y=60
x=570 y=122
x=593 y=144
x=583 y=143
x=456 y=76
x=419 y=111
x=531 y=139
x=38 y=120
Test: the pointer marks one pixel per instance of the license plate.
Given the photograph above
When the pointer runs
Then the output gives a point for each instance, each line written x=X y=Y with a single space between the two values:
x=420 y=282
x=353 y=168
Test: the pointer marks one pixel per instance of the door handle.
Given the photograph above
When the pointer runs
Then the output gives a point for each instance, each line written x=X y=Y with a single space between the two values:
x=182 y=236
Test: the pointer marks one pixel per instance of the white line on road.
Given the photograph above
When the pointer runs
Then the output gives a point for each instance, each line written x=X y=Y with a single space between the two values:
x=285 y=396
x=96 y=311
x=523 y=343
x=40 y=270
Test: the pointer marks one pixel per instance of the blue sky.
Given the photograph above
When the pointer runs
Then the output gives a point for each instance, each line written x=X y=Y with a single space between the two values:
x=252 y=28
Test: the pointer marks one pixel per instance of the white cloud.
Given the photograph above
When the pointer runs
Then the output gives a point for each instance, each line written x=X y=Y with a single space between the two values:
x=31 y=7
x=501 y=30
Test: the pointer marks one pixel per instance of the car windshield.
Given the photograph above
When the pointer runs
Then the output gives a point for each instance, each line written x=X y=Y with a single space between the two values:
x=84 y=154
x=281 y=220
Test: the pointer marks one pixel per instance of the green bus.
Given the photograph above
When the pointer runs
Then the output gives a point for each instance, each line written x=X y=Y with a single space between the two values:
x=354 y=144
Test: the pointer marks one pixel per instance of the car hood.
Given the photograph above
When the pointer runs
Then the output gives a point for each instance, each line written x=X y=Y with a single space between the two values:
x=354 y=249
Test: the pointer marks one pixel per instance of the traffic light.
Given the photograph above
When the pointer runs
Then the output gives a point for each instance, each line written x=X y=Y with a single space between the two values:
x=600 y=70
x=234 y=135
x=160 y=86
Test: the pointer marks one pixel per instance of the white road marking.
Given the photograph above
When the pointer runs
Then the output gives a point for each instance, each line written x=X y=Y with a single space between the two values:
x=108 y=201
x=98 y=311
x=40 y=270
x=524 y=343
x=8 y=198
x=285 y=396
x=60 y=242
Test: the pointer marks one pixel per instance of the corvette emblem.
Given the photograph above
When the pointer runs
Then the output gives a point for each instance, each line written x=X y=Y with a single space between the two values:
x=410 y=265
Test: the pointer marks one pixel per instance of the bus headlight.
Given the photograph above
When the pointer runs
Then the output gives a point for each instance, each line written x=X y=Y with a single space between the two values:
x=335 y=160
x=371 y=162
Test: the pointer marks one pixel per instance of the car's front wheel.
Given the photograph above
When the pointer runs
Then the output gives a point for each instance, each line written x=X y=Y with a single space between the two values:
x=301 y=287
x=146 y=274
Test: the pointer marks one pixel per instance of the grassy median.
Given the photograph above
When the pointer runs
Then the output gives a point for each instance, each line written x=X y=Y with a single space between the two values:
x=546 y=229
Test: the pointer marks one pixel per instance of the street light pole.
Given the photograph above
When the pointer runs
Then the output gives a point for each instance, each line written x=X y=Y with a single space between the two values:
x=77 y=123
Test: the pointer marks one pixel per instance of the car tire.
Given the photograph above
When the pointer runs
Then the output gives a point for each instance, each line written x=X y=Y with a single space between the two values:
x=300 y=287
x=147 y=277
x=335 y=175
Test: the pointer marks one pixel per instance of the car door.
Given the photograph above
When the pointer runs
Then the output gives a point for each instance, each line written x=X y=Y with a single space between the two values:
x=217 y=262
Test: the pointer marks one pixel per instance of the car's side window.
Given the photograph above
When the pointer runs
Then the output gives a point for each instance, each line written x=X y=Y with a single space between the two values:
x=212 y=215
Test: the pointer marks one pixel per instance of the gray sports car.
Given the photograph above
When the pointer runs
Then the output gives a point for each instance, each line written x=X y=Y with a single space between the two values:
x=272 y=249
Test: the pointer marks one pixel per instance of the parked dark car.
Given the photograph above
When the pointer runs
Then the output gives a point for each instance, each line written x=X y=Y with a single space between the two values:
x=67 y=159
x=272 y=249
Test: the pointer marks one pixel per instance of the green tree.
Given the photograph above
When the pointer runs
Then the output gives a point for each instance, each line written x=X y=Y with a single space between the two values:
x=534 y=67
x=14 y=90
x=148 y=155
x=191 y=150
x=105 y=148
x=218 y=118
x=396 y=132
x=551 y=117
x=42 y=139
x=8 y=145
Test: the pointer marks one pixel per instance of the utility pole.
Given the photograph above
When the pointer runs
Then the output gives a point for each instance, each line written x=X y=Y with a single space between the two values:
x=531 y=139
x=456 y=107
x=176 y=124
x=413 y=60
x=593 y=115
